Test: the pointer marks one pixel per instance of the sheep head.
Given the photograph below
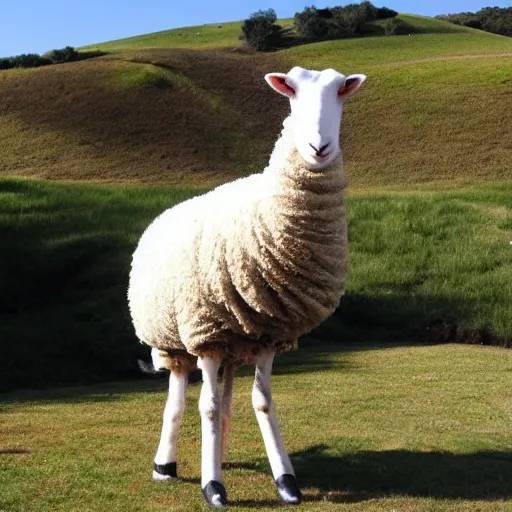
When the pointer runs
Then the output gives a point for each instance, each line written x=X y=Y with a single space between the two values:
x=316 y=101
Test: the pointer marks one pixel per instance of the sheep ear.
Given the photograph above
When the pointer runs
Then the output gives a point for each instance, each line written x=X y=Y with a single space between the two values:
x=280 y=83
x=352 y=84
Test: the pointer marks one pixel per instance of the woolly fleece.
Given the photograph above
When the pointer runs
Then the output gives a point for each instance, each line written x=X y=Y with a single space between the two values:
x=253 y=264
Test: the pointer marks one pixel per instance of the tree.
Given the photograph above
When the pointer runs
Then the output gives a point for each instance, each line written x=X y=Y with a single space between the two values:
x=67 y=54
x=384 y=13
x=312 y=23
x=491 y=19
x=390 y=26
x=260 y=31
x=338 y=22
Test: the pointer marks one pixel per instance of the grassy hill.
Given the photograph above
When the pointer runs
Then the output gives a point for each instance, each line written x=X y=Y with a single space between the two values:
x=225 y=35
x=194 y=116
x=427 y=146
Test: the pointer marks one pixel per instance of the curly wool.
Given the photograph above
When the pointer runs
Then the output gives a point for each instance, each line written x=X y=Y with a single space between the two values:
x=253 y=264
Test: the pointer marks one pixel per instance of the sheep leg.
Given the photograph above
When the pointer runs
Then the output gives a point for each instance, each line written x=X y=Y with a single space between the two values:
x=210 y=410
x=164 y=467
x=282 y=468
x=227 y=395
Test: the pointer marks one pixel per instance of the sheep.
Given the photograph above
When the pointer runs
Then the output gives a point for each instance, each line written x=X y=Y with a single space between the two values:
x=240 y=273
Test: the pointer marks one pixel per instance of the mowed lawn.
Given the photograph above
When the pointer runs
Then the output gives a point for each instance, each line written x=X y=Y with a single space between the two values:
x=368 y=427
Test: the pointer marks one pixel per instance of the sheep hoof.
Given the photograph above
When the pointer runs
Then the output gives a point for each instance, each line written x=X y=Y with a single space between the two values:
x=288 y=489
x=215 y=494
x=164 y=471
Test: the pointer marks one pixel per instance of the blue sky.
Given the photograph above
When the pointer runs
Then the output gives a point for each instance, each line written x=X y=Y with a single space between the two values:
x=35 y=26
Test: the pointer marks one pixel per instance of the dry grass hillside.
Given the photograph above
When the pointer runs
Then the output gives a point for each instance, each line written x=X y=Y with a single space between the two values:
x=435 y=108
x=153 y=116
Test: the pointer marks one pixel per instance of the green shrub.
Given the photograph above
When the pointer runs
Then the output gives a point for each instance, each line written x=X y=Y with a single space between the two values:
x=367 y=11
x=5 y=63
x=260 y=31
x=466 y=19
x=67 y=54
x=312 y=23
x=28 y=60
x=390 y=26
x=491 y=19
x=33 y=60
x=385 y=13
x=496 y=20
x=339 y=22
x=347 y=21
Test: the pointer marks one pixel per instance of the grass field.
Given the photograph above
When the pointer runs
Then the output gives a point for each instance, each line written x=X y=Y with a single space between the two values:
x=434 y=114
x=369 y=428
x=215 y=35
x=433 y=265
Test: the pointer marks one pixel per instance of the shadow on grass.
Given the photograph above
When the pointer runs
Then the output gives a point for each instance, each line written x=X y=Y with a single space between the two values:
x=92 y=54
x=360 y=476
x=401 y=311
x=287 y=38
x=92 y=393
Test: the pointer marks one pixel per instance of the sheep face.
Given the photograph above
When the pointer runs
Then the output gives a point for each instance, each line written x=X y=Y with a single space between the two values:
x=316 y=101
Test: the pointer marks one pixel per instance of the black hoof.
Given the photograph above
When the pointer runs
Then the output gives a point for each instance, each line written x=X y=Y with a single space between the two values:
x=215 y=494
x=164 y=471
x=288 y=489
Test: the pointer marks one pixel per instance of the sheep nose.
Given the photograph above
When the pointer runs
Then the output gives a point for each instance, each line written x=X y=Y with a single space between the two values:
x=320 y=150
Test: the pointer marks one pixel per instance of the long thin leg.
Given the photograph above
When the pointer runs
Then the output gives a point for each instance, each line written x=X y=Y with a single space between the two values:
x=210 y=409
x=164 y=466
x=227 y=395
x=280 y=463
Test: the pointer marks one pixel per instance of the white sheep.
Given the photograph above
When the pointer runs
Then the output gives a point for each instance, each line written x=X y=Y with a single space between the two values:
x=238 y=274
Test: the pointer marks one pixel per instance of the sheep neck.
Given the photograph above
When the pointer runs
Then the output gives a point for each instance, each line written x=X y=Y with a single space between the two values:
x=297 y=242
x=302 y=194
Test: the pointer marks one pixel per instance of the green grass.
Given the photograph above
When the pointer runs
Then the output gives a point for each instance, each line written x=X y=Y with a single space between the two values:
x=369 y=53
x=138 y=76
x=369 y=428
x=424 y=24
x=201 y=36
x=426 y=265
x=437 y=263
